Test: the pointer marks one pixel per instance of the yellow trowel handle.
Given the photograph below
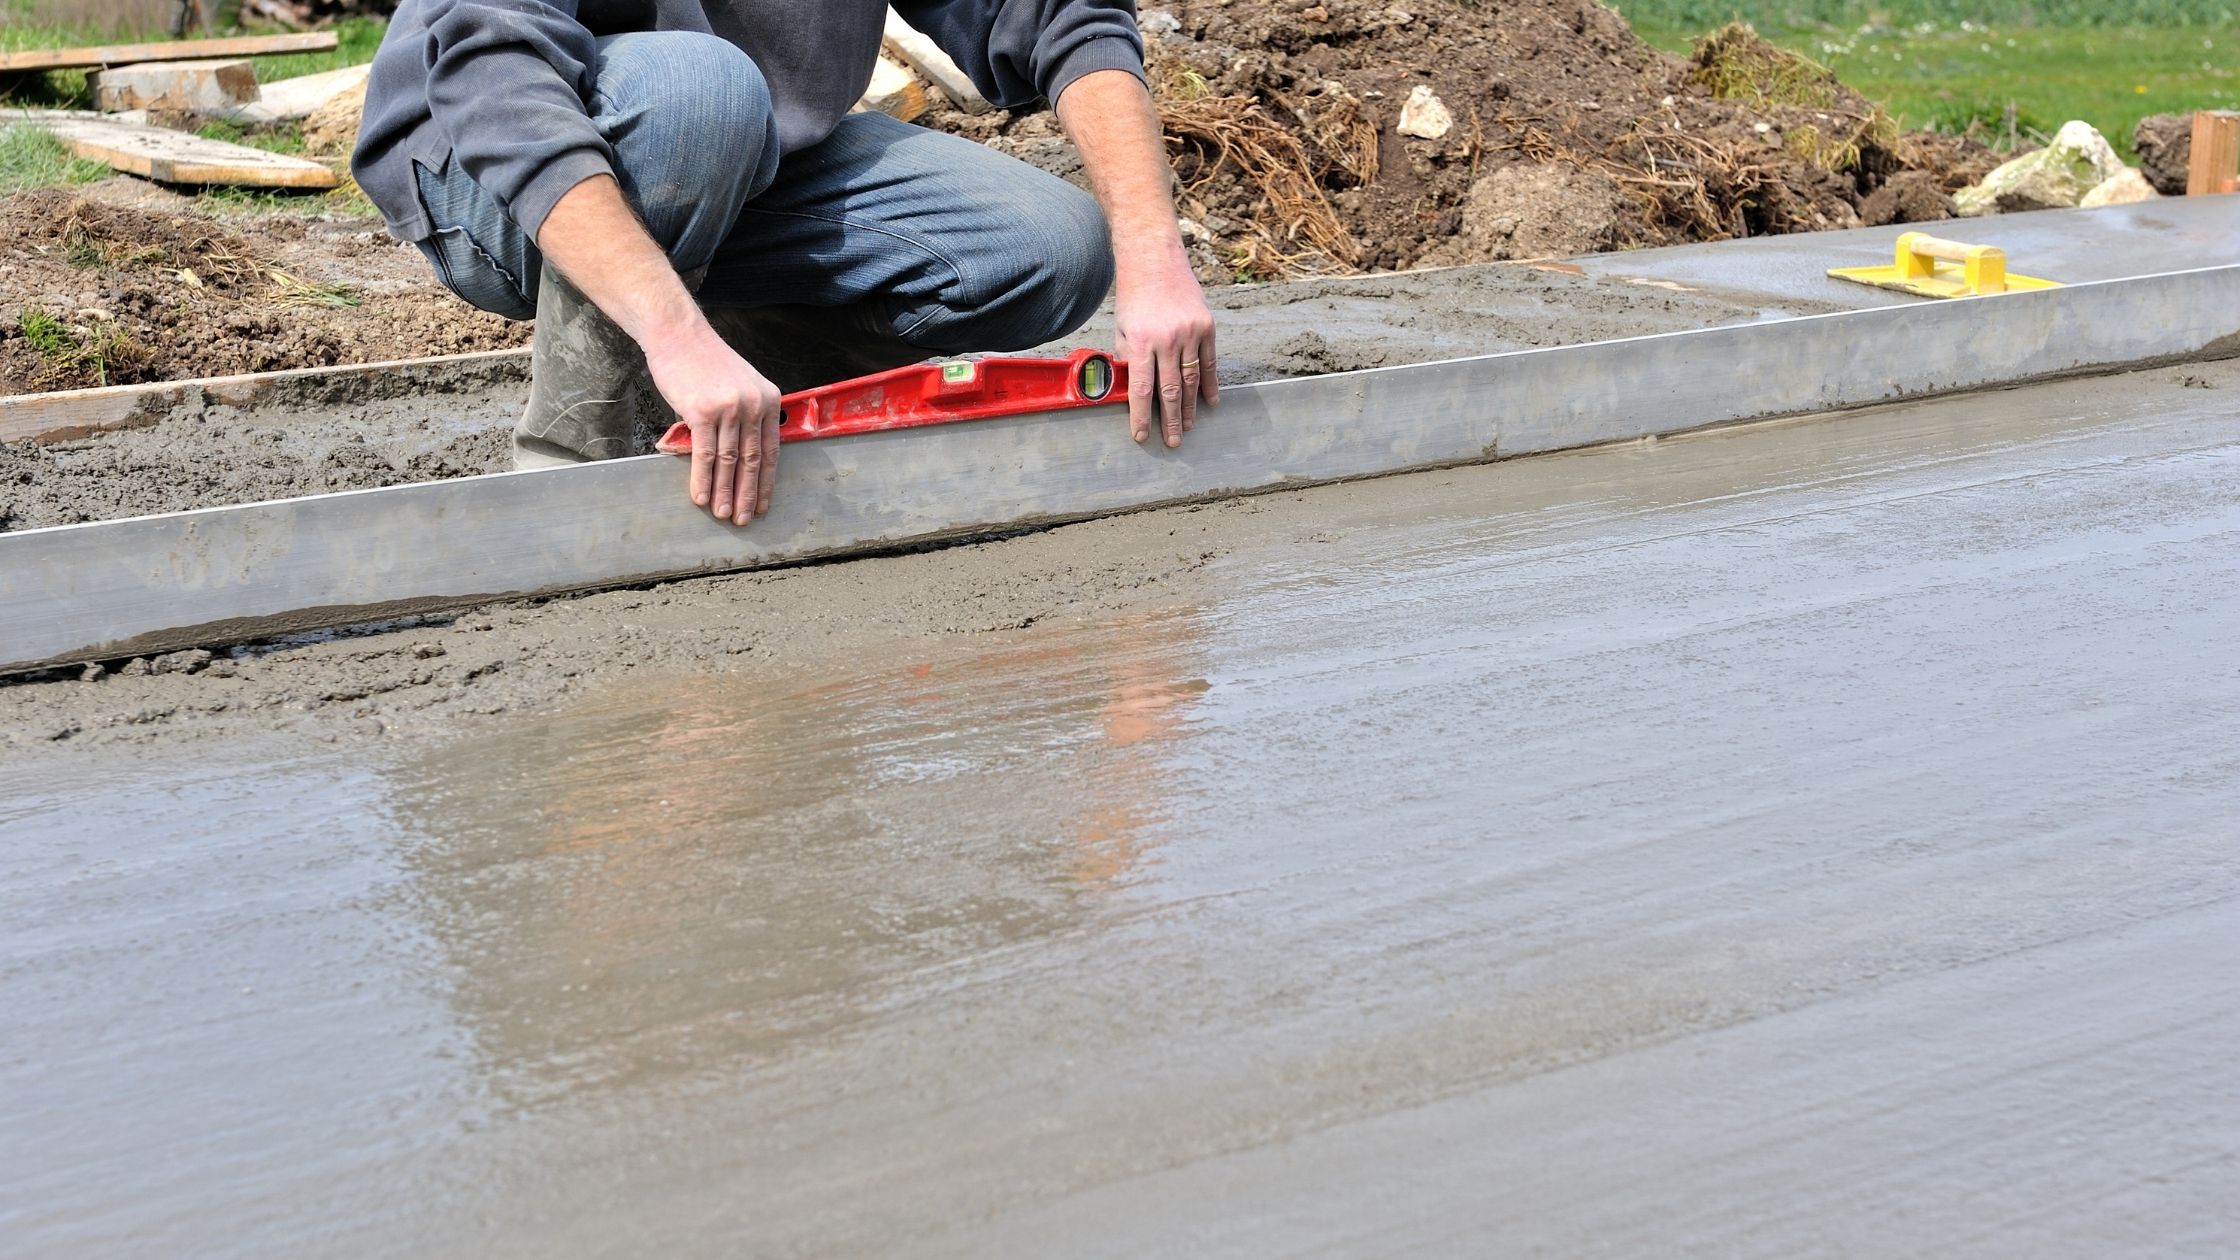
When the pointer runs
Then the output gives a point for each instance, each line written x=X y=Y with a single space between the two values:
x=1919 y=253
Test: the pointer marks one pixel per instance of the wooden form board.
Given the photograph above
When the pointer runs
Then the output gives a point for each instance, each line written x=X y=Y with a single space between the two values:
x=175 y=157
x=2215 y=164
x=221 y=575
x=924 y=56
x=169 y=50
x=894 y=91
x=300 y=96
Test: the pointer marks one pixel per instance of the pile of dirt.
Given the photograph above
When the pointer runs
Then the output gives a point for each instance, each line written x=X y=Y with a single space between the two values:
x=94 y=292
x=1330 y=136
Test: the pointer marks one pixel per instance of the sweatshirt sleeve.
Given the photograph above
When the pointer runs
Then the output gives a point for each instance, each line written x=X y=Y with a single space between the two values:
x=507 y=81
x=1018 y=51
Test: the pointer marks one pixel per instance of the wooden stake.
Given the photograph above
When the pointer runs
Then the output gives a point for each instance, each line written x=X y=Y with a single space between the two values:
x=2215 y=166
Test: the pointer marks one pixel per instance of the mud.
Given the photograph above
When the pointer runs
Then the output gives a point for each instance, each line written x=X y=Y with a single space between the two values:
x=298 y=443
x=121 y=284
x=1806 y=839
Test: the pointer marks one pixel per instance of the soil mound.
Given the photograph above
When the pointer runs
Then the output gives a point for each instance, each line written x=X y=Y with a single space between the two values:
x=1304 y=142
x=97 y=293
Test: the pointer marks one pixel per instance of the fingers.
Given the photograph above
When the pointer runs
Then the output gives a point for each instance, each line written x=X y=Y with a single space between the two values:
x=1169 y=359
x=769 y=479
x=723 y=505
x=1140 y=385
x=1209 y=381
x=703 y=461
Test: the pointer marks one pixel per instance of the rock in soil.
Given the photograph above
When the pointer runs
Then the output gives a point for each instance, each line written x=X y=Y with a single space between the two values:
x=2056 y=177
x=2165 y=145
x=2126 y=189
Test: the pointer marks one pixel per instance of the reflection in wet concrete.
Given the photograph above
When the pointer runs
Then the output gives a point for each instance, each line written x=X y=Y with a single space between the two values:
x=678 y=872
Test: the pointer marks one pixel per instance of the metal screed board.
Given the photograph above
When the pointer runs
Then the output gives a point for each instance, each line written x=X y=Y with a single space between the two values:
x=218 y=575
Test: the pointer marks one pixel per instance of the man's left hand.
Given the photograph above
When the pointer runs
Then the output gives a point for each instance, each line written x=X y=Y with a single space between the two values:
x=1166 y=332
x=1166 y=335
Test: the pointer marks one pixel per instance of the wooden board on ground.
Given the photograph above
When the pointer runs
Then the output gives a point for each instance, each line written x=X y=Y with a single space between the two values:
x=93 y=58
x=2215 y=164
x=894 y=91
x=924 y=56
x=295 y=98
x=174 y=157
x=210 y=86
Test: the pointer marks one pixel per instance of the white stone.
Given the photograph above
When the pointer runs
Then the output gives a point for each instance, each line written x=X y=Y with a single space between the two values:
x=1423 y=116
x=2125 y=189
x=2058 y=176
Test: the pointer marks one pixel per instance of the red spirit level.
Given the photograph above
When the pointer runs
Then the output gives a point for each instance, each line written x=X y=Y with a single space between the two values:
x=940 y=393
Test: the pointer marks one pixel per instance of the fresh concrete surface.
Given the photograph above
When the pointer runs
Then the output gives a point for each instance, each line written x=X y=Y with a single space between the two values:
x=1811 y=839
x=1788 y=274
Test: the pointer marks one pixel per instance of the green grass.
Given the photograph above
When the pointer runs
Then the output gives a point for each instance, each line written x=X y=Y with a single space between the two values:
x=62 y=346
x=33 y=158
x=1704 y=15
x=1951 y=75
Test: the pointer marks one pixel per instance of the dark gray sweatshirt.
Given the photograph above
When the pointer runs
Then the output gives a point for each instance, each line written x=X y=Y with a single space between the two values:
x=500 y=85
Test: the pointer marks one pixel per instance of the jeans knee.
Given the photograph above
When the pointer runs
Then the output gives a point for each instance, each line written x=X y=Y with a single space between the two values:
x=1066 y=269
x=690 y=120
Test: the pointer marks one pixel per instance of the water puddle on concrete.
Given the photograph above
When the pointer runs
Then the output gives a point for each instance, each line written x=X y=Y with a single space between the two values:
x=1707 y=847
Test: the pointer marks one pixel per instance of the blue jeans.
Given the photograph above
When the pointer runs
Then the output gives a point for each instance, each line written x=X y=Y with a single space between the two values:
x=940 y=242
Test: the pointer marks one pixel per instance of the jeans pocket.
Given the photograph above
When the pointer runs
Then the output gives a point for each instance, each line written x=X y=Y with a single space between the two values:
x=474 y=275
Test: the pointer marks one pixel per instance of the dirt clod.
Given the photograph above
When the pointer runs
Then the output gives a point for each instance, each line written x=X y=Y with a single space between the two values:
x=1535 y=212
x=1909 y=197
x=2165 y=144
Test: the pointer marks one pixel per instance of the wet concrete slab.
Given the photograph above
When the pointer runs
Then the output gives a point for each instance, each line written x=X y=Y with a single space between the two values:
x=1815 y=838
x=1789 y=273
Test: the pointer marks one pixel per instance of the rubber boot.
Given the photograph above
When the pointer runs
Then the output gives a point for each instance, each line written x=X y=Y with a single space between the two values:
x=802 y=347
x=590 y=396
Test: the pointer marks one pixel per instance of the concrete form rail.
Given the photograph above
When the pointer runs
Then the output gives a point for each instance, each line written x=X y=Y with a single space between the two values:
x=228 y=574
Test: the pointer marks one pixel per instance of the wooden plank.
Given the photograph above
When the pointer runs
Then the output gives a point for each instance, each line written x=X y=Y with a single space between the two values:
x=2215 y=164
x=894 y=91
x=69 y=415
x=925 y=57
x=170 y=50
x=298 y=97
x=174 y=157
x=79 y=592
x=210 y=86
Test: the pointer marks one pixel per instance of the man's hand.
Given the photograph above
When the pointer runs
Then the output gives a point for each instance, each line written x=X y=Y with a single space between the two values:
x=1166 y=330
x=596 y=241
x=733 y=414
x=1166 y=335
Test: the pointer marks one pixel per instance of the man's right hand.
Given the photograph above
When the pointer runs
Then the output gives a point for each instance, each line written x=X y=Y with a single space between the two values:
x=732 y=411
x=596 y=241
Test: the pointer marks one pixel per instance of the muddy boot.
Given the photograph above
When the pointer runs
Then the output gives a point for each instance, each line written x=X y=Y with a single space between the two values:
x=802 y=347
x=588 y=387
